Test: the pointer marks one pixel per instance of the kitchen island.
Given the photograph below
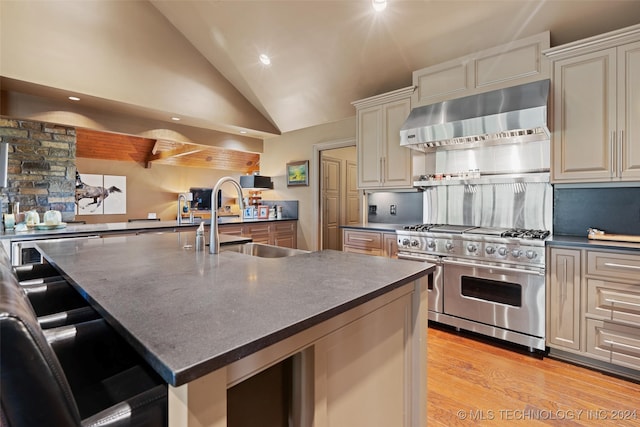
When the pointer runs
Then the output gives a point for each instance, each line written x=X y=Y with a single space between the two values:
x=354 y=325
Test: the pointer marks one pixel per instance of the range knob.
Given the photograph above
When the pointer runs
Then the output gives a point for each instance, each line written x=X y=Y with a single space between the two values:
x=449 y=246
x=502 y=251
x=531 y=254
x=516 y=253
x=415 y=243
x=490 y=250
x=471 y=247
x=405 y=242
x=431 y=244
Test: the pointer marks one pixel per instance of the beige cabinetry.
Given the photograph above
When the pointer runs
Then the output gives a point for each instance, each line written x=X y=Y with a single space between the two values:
x=612 y=284
x=280 y=233
x=515 y=63
x=596 y=102
x=382 y=162
x=563 y=299
x=370 y=242
x=593 y=304
x=285 y=234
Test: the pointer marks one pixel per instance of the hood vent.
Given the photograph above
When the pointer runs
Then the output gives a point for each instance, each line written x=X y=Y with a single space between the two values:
x=511 y=115
x=256 y=182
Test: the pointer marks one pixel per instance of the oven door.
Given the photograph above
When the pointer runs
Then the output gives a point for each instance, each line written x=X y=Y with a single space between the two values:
x=504 y=296
x=434 y=293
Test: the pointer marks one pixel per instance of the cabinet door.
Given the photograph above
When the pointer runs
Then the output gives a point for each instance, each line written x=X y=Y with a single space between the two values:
x=259 y=232
x=397 y=160
x=330 y=193
x=563 y=299
x=390 y=245
x=286 y=234
x=629 y=111
x=369 y=147
x=585 y=117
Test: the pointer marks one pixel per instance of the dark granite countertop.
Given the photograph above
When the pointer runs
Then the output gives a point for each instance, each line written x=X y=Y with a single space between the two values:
x=191 y=313
x=375 y=226
x=586 y=243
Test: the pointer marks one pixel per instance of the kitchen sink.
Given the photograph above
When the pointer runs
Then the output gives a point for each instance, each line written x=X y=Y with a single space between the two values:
x=262 y=250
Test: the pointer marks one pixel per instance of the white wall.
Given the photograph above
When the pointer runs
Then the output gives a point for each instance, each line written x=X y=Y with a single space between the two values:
x=300 y=145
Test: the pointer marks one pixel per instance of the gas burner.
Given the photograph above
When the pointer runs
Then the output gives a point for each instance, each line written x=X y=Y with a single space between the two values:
x=526 y=234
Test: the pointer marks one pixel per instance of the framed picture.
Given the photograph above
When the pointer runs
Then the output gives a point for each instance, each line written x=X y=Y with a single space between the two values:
x=248 y=213
x=298 y=173
x=263 y=212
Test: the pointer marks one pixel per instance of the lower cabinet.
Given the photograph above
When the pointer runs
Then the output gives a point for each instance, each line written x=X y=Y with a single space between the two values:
x=278 y=233
x=563 y=299
x=367 y=242
x=593 y=304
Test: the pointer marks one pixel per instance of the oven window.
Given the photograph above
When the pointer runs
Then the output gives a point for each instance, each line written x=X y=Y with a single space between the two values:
x=492 y=290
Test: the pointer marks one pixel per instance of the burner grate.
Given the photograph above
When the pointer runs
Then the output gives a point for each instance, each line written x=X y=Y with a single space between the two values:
x=522 y=233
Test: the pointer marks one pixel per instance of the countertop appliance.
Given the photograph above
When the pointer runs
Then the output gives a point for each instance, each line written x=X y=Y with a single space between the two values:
x=489 y=280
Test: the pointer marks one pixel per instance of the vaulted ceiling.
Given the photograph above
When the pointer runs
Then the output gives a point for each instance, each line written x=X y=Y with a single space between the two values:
x=326 y=54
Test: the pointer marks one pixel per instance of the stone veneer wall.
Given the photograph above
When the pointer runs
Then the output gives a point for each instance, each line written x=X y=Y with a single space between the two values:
x=42 y=166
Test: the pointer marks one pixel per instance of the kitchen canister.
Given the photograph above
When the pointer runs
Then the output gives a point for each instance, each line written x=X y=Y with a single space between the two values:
x=9 y=221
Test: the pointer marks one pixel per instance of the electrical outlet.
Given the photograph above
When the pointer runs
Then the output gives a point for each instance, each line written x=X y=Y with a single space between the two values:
x=373 y=209
x=392 y=209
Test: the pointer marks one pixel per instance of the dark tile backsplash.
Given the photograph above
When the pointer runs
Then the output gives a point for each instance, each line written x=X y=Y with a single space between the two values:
x=613 y=210
x=408 y=208
x=289 y=207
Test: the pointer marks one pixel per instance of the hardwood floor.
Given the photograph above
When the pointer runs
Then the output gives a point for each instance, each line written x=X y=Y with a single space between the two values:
x=471 y=382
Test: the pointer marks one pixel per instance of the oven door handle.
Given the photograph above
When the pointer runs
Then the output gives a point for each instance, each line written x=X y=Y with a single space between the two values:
x=494 y=267
x=418 y=258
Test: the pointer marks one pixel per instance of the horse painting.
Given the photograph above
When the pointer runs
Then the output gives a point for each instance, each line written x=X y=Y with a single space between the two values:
x=98 y=194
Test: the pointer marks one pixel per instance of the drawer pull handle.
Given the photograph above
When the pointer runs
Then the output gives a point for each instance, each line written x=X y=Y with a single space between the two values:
x=362 y=239
x=616 y=301
x=616 y=265
x=619 y=344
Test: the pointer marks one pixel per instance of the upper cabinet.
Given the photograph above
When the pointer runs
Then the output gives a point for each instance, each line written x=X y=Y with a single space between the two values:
x=382 y=162
x=596 y=103
x=511 y=64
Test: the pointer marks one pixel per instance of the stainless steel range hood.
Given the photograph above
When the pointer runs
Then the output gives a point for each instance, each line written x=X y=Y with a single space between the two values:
x=511 y=115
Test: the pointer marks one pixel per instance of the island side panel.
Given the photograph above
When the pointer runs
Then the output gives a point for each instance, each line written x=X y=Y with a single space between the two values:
x=360 y=367
x=373 y=371
x=200 y=403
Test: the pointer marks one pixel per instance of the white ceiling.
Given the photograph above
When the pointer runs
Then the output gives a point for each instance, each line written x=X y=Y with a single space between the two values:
x=326 y=54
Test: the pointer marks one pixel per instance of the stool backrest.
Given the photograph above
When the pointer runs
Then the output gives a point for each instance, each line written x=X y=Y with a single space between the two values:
x=33 y=388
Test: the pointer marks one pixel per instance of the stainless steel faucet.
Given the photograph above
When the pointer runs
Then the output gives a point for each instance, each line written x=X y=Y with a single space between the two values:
x=214 y=240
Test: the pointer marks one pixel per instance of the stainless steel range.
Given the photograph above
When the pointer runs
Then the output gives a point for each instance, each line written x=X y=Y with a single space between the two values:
x=489 y=280
x=490 y=158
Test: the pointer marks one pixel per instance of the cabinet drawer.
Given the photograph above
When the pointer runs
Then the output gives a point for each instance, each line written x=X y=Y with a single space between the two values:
x=232 y=229
x=614 y=343
x=363 y=239
x=614 y=265
x=281 y=227
x=613 y=301
x=365 y=251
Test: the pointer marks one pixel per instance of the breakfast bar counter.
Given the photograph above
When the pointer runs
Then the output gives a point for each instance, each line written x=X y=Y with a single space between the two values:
x=355 y=324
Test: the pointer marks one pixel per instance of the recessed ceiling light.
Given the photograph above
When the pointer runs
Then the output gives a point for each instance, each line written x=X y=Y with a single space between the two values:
x=379 y=5
x=265 y=59
x=175 y=119
x=243 y=131
x=74 y=98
